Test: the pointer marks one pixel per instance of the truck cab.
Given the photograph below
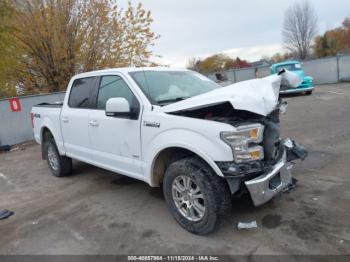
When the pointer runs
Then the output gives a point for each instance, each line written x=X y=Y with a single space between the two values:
x=296 y=67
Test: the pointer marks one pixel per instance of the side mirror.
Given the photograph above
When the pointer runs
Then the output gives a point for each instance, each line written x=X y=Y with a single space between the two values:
x=118 y=107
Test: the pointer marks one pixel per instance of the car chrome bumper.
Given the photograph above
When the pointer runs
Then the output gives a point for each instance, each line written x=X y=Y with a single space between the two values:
x=296 y=90
x=266 y=186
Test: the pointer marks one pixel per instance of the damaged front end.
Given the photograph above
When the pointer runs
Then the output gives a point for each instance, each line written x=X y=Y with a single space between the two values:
x=268 y=176
x=262 y=159
x=264 y=179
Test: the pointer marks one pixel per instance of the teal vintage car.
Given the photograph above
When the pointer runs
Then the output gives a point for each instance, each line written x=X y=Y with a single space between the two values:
x=295 y=66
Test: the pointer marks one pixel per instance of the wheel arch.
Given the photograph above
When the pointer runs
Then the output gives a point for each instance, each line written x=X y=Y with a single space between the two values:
x=53 y=126
x=168 y=155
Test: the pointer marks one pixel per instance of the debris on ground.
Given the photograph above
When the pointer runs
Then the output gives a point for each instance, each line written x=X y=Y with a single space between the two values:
x=4 y=213
x=248 y=225
x=5 y=148
x=17 y=148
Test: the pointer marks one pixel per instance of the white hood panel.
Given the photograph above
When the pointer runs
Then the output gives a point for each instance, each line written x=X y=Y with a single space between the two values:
x=259 y=96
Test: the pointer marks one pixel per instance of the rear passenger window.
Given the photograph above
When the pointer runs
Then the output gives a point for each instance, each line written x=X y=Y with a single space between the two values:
x=80 y=92
x=111 y=87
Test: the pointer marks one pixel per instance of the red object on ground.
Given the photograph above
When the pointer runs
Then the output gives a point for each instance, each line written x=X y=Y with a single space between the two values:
x=15 y=104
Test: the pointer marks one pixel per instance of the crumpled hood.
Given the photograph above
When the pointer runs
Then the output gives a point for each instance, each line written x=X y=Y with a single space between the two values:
x=259 y=96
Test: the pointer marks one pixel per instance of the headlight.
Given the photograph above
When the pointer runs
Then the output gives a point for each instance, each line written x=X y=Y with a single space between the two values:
x=244 y=142
x=309 y=80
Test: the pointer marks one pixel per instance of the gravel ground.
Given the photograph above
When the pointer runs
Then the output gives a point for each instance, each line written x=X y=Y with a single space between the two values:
x=98 y=212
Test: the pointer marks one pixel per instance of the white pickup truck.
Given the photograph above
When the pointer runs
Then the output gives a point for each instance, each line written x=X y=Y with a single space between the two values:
x=202 y=142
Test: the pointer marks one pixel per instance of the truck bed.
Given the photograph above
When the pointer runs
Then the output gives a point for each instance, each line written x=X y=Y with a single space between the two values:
x=48 y=115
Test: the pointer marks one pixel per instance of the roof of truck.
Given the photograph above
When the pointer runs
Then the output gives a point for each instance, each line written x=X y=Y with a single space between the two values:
x=127 y=70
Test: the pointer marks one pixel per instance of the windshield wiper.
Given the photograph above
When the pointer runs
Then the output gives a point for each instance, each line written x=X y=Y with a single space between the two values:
x=172 y=100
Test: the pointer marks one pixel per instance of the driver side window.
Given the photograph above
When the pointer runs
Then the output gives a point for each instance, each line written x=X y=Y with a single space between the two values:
x=111 y=87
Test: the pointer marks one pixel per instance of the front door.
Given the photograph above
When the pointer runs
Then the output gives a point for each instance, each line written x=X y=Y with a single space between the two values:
x=115 y=141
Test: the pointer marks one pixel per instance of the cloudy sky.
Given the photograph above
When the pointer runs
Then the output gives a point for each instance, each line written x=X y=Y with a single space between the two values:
x=249 y=29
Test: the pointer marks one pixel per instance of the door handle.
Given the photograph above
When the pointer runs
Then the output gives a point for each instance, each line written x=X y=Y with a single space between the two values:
x=65 y=119
x=94 y=123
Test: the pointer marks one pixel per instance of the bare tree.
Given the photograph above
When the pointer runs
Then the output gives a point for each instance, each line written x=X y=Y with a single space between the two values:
x=193 y=63
x=299 y=28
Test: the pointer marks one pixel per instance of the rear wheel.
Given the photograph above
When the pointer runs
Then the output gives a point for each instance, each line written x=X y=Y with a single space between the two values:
x=198 y=199
x=59 y=165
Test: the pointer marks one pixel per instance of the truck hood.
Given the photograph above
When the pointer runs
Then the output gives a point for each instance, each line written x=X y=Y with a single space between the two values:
x=259 y=96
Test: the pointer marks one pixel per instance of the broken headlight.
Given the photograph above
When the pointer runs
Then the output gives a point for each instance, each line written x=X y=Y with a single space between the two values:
x=244 y=142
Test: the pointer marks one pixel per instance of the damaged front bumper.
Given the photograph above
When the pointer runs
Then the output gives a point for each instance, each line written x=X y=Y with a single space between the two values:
x=265 y=181
x=265 y=187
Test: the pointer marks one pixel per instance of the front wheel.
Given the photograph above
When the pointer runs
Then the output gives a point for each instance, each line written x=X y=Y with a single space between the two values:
x=59 y=165
x=198 y=199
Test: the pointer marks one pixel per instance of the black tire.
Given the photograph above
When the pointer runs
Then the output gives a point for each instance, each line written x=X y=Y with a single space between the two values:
x=215 y=191
x=64 y=164
x=308 y=93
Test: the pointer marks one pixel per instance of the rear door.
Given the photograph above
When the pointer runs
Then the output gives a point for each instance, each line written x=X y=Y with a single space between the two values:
x=75 y=118
x=115 y=141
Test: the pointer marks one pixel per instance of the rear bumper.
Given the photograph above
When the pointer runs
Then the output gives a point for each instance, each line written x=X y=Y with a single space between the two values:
x=296 y=90
x=268 y=185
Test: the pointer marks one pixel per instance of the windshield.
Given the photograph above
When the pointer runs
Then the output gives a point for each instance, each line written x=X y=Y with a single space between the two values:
x=166 y=87
x=290 y=67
